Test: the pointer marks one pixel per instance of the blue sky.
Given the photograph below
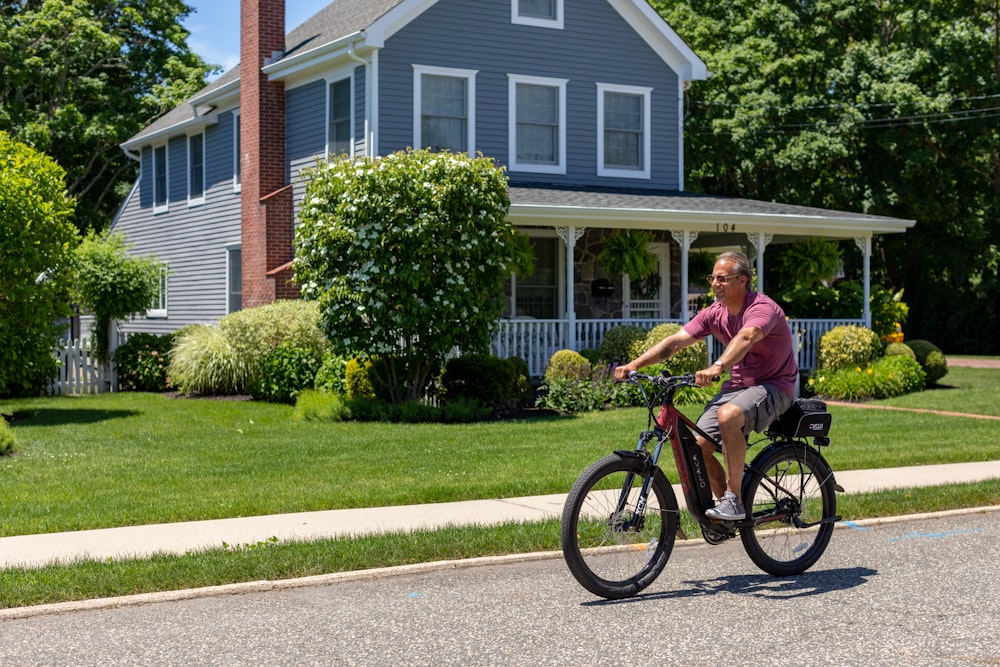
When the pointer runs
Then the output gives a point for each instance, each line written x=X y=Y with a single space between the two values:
x=215 y=27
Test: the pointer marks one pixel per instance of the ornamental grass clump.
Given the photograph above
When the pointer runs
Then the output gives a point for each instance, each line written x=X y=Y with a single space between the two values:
x=203 y=361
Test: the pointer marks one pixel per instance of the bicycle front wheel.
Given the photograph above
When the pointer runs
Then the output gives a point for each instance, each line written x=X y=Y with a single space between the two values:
x=791 y=496
x=613 y=546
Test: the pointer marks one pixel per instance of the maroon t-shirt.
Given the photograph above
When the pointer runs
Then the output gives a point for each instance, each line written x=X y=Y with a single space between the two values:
x=771 y=360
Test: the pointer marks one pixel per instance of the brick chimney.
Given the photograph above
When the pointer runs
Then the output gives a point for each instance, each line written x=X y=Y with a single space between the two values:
x=267 y=207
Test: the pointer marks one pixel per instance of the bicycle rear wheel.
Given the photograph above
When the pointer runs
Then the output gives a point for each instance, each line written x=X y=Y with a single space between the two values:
x=791 y=495
x=612 y=547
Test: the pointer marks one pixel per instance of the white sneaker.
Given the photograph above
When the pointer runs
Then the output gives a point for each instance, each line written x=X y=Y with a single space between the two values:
x=729 y=509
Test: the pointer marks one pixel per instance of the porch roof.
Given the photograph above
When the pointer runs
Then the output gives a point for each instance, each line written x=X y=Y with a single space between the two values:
x=562 y=206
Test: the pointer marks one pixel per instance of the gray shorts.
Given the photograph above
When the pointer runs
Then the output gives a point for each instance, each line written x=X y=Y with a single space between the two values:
x=761 y=405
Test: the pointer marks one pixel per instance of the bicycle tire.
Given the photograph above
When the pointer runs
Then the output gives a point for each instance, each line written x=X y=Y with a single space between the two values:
x=793 y=482
x=607 y=558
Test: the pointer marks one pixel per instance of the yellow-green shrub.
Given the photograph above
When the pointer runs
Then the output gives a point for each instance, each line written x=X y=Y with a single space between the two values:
x=848 y=346
x=688 y=360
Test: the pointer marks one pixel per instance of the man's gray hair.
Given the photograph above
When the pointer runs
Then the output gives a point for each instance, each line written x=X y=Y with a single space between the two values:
x=740 y=262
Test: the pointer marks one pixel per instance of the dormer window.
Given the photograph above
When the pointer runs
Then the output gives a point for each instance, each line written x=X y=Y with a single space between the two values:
x=539 y=13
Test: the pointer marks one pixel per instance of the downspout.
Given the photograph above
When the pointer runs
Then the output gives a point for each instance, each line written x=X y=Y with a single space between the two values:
x=369 y=140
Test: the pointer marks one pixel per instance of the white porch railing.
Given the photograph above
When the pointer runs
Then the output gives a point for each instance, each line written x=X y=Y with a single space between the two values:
x=79 y=370
x=536 y=341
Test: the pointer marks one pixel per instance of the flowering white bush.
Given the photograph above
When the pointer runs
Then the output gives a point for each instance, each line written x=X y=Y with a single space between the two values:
x=407 y=255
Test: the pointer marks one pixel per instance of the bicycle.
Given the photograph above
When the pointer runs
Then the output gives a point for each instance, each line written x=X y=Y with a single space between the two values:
x=621 y=516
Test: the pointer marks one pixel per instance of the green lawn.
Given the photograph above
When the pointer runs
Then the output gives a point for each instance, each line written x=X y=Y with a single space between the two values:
x=125 y=459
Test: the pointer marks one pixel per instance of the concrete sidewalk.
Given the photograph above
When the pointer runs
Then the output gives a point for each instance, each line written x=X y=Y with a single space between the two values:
x=179 y=538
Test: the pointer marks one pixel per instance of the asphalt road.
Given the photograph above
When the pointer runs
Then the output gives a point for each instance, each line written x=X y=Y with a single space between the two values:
x=923 y=592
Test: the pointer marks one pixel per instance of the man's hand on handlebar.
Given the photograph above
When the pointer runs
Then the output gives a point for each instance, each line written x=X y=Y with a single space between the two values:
x=621 y=372
x=706 y=377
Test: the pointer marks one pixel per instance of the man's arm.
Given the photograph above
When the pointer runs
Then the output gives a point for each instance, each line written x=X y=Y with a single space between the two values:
x=662 y=351
x=738 y=347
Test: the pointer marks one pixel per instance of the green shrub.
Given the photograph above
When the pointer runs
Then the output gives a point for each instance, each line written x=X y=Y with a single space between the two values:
x=7 y=437
x=490 y=380
x=203 y=361
x=688 y=360
x=284 y=372
x=930 y=357
x=571 y=394
x=899 y=349
x=332 y=374
x=617 y=343
x=464 y=411
x=142 y=362
x=521 y=390
x=848 y=346
x=567 y=365
x=886 y=377
x=356 y=381
x=315 y=405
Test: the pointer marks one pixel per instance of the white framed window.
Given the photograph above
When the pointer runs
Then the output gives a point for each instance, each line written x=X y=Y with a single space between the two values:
x=161 y=202
x=539 y=13
x=196 y=169
x=158 y=308
x=540 y=296
x=444 y=109
x=623 y=131
x=237 y=147
x=234 y=278
x=537 y=117
x=340 y=140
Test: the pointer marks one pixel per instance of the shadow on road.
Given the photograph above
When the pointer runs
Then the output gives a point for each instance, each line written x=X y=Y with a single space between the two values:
x=815 y=582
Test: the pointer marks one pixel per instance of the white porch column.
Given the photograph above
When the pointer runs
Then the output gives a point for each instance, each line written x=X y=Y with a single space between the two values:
x=684 y=238
x=760 y=241
x=569 y=236
x=865 y=244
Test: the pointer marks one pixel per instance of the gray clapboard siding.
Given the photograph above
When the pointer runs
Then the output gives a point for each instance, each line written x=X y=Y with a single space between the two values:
x=191 y=239
x=596 y=45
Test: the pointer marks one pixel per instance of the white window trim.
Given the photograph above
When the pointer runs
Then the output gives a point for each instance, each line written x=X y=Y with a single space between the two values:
x=229 y=270
x=199 y=200
x=329 y=108
x=513 y=164
x=164 y=294
x=237 y=177
x=560 y=274
x=645 y=170
x=470 y=76
x=165 y=206
x=515 y=17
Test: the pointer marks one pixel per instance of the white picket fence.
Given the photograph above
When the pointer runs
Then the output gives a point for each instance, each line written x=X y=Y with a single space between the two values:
x=79 y=370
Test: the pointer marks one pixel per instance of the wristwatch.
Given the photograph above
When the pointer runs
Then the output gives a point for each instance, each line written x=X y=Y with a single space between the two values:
x=719 y=364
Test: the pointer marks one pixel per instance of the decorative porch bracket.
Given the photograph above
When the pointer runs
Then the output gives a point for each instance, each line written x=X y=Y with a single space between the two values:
x=760 y=241
x=684 y=238
x=569 y=236
x=865 y=244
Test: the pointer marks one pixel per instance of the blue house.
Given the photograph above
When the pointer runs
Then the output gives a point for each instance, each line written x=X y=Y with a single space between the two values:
x=581 y=100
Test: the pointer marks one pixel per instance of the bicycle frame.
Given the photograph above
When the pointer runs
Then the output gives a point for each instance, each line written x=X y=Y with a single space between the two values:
x=672 y=424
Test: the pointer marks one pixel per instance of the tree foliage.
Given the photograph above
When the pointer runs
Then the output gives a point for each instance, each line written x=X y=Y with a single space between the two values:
x=36 y=252
x=878 y=107
x=407 y=255
x=112 y=284
x=79 y=77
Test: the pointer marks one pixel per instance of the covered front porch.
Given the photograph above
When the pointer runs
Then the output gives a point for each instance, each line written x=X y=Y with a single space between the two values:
x=571 y=301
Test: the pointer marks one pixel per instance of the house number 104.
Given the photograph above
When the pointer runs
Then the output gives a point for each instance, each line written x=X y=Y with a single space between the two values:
x=725 y=228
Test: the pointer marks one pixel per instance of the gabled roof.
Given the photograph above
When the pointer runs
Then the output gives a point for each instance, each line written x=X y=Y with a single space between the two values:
x=370 y=23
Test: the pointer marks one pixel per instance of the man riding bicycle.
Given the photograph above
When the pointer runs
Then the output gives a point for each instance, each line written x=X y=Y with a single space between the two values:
x=763 y=372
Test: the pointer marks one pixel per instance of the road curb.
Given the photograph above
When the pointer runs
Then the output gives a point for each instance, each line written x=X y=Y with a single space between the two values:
x=379 y=573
